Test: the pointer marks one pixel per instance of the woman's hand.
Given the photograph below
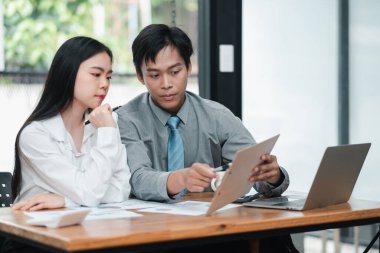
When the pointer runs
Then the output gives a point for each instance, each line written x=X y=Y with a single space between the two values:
x=101 y=116
x=40 y=201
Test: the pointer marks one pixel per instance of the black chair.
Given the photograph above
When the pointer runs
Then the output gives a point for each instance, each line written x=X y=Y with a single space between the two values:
x=5 y=196
x=5 y=189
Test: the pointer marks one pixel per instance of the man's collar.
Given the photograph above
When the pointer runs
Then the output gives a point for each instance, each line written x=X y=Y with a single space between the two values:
x=163 y=115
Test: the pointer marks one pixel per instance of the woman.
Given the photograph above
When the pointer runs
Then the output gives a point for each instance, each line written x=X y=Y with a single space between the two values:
x=59 y=160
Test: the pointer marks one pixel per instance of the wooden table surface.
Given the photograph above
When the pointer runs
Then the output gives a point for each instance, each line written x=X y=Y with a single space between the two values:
x=155 y=228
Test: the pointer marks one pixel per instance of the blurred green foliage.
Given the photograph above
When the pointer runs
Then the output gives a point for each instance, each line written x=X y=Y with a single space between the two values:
x=34 y=29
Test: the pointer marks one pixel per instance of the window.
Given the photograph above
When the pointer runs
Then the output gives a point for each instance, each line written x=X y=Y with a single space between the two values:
x=32 y=31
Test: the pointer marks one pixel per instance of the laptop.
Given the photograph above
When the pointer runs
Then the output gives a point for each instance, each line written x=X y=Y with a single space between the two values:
x=333 y=182
x=235 y=181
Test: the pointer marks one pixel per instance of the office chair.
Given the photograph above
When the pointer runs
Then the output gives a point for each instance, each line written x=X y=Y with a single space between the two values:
x=5 y=189
x=5 y=195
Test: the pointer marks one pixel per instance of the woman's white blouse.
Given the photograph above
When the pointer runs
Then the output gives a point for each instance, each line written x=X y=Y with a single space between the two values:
x=50 y=163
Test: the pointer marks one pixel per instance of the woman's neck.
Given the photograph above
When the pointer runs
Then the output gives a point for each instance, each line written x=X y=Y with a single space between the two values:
x=73 y=119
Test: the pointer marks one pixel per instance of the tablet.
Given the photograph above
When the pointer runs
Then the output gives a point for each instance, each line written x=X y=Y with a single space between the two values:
x=235 y=182
x=56 y=219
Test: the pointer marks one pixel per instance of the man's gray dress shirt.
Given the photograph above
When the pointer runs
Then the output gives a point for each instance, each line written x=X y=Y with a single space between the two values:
x=211 y=134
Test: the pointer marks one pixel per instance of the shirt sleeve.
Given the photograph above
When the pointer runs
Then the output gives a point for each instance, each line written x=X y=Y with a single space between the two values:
x=119 y=187
x=269 y=190
x=84 y=184
x=146 y=183
x=234 y=137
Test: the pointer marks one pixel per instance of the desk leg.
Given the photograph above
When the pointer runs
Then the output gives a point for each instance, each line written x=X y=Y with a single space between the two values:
x=254 y=246
x=324 y=240
x=337 y=240
x=356 y=239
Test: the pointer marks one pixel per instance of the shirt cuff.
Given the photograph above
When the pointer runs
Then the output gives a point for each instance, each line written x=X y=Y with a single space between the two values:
x=280 y=181
x=270 y=190
x=162 y=183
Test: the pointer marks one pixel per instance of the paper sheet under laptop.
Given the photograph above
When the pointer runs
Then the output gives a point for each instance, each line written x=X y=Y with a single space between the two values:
x=235 y=182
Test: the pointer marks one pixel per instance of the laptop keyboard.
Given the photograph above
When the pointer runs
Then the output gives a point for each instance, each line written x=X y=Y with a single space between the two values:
x=273 y=200
x=295 y=203
x=292 y=203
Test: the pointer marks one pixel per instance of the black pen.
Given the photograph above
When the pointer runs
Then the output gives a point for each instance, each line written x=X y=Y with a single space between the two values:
x=222 y=168
x=113 y=109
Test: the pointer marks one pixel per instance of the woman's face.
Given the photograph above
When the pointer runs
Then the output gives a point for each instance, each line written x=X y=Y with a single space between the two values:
x=92 y=81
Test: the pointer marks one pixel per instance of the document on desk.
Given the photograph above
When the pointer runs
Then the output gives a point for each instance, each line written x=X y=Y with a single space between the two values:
x=185 y=208
x=110 y=213
x=132 y=204
x=94 y=214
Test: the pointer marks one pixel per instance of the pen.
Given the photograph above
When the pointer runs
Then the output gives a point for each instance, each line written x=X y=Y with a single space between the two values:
x=222 y=168
x=113 y=109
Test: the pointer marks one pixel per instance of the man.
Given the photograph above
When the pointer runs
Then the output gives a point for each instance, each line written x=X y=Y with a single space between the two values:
x=210 y=133
x=174 y=138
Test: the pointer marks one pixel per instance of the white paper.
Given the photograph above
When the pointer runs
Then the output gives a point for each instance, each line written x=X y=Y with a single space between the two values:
x=94 y=214
x=185 y=208
x=132 y=204
x=103 y=213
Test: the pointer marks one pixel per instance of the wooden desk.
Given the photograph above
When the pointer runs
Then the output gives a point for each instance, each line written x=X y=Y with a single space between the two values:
x=154 y=231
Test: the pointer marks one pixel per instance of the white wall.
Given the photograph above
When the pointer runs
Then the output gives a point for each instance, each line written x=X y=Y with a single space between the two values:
x=365 y=90
x=290 y=61
x=290 y=80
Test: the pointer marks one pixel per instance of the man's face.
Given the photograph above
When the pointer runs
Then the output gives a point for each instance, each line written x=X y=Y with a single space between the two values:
x=166 y=79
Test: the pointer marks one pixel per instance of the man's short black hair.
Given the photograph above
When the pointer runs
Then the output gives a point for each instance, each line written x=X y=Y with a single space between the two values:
x=155 y=37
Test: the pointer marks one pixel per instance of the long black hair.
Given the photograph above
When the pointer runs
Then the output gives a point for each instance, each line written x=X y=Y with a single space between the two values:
x=58 y=92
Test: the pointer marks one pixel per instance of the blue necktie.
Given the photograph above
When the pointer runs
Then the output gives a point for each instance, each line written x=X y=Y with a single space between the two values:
x=175 y=145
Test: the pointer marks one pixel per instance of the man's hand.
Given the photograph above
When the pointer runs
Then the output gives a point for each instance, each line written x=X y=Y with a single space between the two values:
x=41 y=201
x=195 y=178
x=198 y=177
x=268 y=171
